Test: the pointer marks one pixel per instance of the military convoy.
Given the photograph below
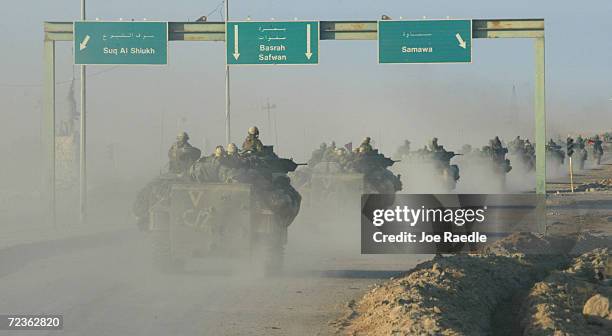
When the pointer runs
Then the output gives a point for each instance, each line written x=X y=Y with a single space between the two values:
x=241 y=202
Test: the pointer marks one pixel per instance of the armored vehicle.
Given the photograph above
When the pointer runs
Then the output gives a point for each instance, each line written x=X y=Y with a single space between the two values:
x=342 y=177
x=554 y=153
x=218 y=220
x=225 y=206
x=330 y=186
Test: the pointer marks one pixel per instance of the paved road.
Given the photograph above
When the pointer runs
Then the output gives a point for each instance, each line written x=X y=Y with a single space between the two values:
x=104 y=285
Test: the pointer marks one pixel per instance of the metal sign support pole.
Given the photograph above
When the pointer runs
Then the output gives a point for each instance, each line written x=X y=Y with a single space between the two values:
x=540 y=131
x=227 y=89
x=540 y=115
x=83 y=143
x=48 y=134
x=571 y=174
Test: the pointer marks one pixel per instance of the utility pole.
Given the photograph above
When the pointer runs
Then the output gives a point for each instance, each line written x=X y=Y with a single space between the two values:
x=269 y=107
x=83 y=145
x=275 y=132
x=227 y=86
x=514 y=109
x=161 y=140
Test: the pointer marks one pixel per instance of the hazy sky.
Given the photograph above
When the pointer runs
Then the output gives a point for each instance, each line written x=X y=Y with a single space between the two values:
x=345 y=98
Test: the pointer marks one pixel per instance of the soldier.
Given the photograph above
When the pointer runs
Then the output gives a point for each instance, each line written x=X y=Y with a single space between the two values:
x=496 y=144
x=219 y=152
x=232 y=158
x=365 y=146
x=206 y=169
x=433 y=145
x=329 y=154
x=529 y=149
x=342 y=157
x=252 y=144
x=233 y=166
x=597 y=149
x=231 y=150
x=182 y=154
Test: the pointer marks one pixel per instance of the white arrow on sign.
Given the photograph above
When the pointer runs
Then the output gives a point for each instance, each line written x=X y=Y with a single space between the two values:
x=462 y=43
x=236 y=52
x=308 y=50
x=83 y=44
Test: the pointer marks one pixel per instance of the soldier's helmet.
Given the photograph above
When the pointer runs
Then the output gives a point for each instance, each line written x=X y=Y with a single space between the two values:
x=323 y=145
x=254 y=130
x=182 y=136
x=232 y=149
x=406 y=142
x=219 y=151
x=596 y=136
x=367 y=140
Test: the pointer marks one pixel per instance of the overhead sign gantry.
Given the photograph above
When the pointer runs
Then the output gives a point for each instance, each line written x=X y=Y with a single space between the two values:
x=328 y=30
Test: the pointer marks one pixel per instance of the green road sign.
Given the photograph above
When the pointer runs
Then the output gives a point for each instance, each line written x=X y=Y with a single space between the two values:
x=264 y=43
x=120 y=42
x=434 y=41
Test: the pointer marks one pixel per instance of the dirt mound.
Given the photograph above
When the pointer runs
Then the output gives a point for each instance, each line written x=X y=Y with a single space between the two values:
x=454 y=295
x=533 y=244
x=589 y=240
x=555 y=306
x=501 y=291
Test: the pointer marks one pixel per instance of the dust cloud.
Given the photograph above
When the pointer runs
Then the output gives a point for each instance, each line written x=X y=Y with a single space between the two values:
x=133 y=117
